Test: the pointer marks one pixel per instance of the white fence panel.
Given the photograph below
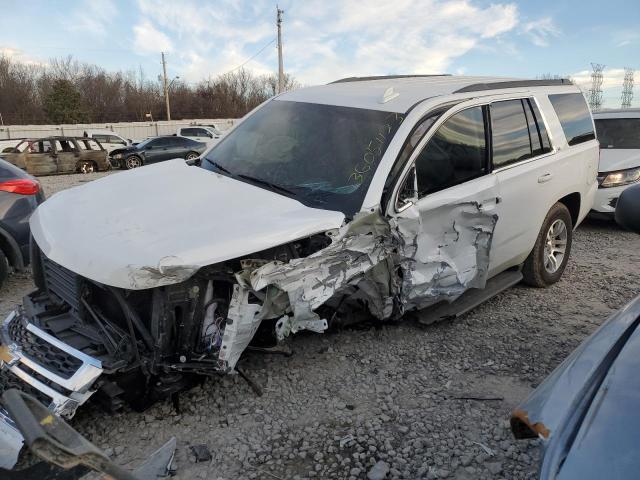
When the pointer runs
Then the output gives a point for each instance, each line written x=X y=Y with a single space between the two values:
x=136 y=131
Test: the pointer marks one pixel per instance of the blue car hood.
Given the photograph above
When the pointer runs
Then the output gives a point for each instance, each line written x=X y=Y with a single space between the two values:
x=586 y=410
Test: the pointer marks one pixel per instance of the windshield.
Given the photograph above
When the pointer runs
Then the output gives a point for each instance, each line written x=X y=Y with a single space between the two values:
x=618 y=132
x=323 y=155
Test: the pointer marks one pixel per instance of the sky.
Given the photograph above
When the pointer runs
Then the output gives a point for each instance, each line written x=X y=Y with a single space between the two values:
x=324 y=40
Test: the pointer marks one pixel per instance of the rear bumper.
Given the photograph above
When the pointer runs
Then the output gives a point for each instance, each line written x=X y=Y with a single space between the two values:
x=36 y=362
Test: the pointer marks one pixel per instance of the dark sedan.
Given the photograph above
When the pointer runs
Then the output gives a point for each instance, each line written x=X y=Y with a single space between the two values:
x=156 y=149
x=20 y=194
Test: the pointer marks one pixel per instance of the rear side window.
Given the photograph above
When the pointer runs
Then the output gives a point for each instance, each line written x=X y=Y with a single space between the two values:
x=537 y=131
x=510 y=133
x=456 y=153
x=574 y=117
x=518 y=132
x=113 y=139
x=618 y=132
x=190 y=132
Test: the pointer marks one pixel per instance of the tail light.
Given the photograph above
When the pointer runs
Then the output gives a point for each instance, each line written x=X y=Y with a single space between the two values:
x=23 y=186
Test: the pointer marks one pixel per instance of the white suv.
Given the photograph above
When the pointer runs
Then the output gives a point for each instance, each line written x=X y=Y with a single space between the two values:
x=108 y=139
x=201 y=133
x=619 y=136
x=362 y=199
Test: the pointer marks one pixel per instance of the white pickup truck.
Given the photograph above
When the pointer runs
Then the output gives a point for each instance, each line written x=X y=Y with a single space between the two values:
x=201 y=133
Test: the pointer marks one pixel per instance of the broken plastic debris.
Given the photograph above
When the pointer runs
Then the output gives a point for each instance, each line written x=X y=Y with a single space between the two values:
x=201 y=453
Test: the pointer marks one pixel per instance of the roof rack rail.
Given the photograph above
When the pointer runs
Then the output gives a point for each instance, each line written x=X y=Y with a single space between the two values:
x=478 y=87
x=386 y=77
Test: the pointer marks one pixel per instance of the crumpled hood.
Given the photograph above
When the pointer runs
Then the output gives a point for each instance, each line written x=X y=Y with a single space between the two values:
x=618 y=159
x=159 y=224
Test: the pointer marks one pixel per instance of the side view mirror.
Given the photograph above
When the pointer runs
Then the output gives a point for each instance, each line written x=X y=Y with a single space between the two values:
x=149 y=147
x=628 y=209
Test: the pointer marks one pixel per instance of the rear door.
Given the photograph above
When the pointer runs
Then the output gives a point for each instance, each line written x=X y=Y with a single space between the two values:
x=526 y=169
x=68 y=155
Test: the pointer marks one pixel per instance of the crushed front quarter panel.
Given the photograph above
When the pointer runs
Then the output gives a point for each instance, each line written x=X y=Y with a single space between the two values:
x=406 y=263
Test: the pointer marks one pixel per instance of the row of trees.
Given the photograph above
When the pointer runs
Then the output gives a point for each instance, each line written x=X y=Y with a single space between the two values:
x=67 y=91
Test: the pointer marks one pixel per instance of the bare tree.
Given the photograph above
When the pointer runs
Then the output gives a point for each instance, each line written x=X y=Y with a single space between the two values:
x=122 y=96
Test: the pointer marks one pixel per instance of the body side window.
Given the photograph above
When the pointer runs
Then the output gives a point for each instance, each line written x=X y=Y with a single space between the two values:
x=456 y=153
x=574 y=116
x=510 y=133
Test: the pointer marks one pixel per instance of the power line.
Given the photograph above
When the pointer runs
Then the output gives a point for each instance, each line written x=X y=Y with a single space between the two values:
x=251 y=57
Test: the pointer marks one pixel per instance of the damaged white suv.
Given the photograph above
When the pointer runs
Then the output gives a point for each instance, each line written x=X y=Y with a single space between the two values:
x=362 y=199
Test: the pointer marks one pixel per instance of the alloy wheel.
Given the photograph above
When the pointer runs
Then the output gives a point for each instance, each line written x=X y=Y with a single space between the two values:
x=555 y=246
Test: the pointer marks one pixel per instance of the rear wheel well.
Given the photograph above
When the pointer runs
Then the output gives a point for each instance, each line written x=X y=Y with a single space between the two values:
x=572 y=202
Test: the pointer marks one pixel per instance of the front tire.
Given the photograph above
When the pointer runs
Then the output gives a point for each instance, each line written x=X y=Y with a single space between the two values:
x=546 y=262
x=132 y=162
x=191 y=156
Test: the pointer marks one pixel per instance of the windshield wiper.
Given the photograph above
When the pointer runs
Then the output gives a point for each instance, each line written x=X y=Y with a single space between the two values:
x=218 y=166
x=269 y=185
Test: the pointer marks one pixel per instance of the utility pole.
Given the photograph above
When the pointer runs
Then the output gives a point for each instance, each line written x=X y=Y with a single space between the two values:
x=280 y=65
x=166 y=87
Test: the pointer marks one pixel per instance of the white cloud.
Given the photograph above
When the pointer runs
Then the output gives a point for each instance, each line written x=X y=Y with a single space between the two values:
x=93 y=17
x=539 y=31
x=611 y=78
x=17 y=55
x=148 y=39
x=380 y=37
x=323 y=39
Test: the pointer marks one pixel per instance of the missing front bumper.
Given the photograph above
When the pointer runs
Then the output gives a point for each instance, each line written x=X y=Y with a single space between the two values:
x=34 y=361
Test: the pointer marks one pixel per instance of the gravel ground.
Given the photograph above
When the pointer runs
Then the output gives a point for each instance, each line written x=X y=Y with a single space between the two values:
x=346 y=400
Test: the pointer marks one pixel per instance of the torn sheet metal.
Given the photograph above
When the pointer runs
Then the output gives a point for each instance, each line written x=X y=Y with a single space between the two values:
x=408 y=263
x=444 y=251
x=242 y=323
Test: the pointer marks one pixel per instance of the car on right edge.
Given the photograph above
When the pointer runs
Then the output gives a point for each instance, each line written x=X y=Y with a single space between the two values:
x=619 y=136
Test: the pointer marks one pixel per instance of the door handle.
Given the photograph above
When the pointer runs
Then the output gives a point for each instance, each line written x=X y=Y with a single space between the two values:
x=545 y=178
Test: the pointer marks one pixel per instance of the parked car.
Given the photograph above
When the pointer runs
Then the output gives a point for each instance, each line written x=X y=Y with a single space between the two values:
x=200 y=133
x=585 y=411
x=20 y=194
x=53 y=155
x=416 y=192
x=108 y=139
x=9 y=145
x=619 y=135
x=156 y=149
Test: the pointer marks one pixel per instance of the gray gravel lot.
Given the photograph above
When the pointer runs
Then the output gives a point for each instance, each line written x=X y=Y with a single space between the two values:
x=346 y=400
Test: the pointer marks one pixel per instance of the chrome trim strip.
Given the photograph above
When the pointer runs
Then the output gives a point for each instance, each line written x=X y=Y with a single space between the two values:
x=524 y=162
x=79 y=381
